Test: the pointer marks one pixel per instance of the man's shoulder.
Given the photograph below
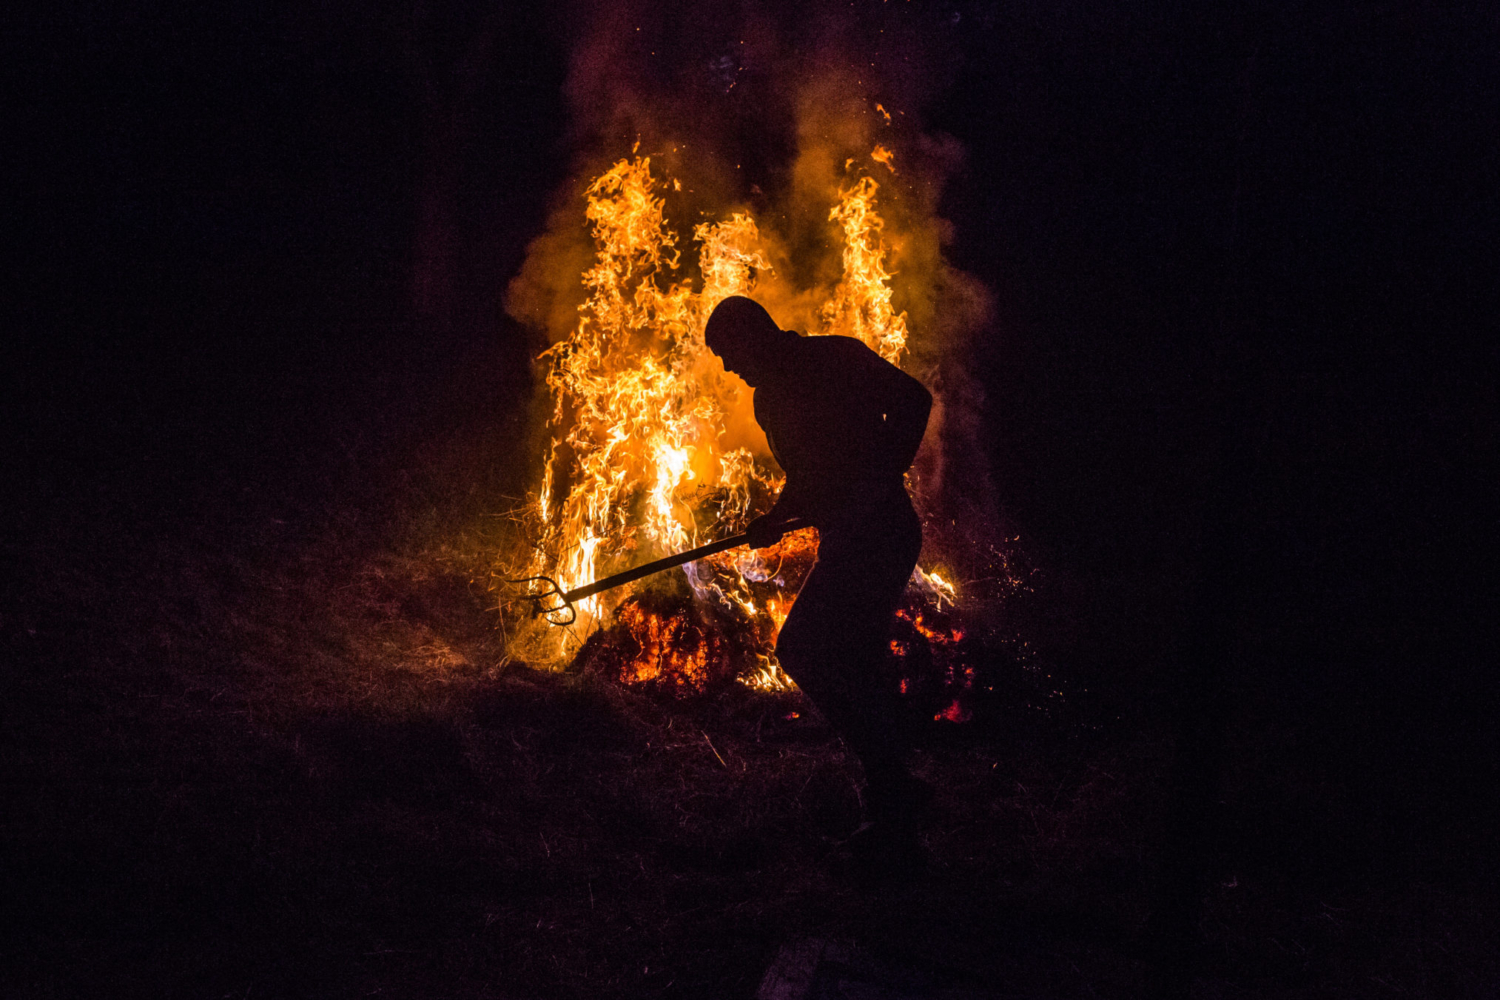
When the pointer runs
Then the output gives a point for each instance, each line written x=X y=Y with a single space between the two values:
x=833 y=350
x=833 y=343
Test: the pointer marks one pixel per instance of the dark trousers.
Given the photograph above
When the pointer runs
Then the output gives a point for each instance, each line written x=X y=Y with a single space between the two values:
x=835 y=643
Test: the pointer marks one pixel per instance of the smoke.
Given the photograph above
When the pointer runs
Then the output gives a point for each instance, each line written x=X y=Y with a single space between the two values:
x=774 y=109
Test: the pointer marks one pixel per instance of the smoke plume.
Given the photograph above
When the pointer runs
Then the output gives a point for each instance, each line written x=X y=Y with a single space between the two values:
x=777 y=111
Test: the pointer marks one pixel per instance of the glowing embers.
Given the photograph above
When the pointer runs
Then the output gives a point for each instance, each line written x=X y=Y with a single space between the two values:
x=933 y=660
x=669 y=642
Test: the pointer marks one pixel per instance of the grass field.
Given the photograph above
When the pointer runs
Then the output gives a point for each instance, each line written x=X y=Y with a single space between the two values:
x=263 y=739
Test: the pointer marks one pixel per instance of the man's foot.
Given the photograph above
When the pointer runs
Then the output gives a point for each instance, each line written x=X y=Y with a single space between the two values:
x=895 y=798
x=887 y=847
x=885 y=854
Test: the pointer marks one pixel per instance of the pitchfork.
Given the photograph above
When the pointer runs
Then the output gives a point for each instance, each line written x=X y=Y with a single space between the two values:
x=628 y=576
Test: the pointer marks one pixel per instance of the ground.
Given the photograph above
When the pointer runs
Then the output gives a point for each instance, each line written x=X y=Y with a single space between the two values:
x=262 y=743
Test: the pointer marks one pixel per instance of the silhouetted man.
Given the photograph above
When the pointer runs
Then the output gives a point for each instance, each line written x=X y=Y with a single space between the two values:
x=845 y=425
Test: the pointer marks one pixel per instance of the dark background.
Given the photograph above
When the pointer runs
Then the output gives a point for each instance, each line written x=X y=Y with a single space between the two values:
x=1241 y=377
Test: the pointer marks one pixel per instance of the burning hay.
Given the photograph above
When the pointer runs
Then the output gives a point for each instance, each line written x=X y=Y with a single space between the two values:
x=652 y=447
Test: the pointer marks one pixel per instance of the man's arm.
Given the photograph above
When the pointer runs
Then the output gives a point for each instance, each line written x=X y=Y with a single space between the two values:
x=770 y=526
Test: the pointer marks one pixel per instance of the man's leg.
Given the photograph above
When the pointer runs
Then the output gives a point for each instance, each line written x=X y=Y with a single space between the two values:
x=835 y=645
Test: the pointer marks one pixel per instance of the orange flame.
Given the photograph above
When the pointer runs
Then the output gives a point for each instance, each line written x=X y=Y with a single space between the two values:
x=861 y=304
x=636 y=467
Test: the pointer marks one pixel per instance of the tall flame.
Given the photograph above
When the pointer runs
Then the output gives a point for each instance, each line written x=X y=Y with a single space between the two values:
x=861 y=304
x=636 y=467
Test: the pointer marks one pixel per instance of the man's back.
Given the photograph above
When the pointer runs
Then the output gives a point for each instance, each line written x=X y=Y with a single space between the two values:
x=840 y=418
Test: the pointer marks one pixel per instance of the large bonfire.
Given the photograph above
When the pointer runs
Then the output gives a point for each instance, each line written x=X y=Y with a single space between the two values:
x=652 y=449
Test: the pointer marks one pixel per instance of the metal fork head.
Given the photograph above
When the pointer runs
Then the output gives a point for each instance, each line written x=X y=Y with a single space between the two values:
x=538 y=600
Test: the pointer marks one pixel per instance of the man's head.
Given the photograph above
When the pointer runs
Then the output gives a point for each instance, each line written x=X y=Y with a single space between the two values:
x=745 y=338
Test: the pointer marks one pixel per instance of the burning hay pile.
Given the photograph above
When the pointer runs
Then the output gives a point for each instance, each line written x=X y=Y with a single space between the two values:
x=652 y=447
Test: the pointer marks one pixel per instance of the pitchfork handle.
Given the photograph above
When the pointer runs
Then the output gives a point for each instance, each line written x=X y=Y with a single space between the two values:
x=692 y=555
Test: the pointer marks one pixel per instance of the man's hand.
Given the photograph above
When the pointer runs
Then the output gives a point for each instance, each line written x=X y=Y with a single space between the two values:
x=765 y=530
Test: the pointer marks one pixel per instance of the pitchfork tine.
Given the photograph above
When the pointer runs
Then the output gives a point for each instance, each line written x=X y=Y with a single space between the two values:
x=553 y=591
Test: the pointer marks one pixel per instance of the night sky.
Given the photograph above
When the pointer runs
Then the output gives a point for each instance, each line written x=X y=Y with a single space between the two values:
x=1240 y=380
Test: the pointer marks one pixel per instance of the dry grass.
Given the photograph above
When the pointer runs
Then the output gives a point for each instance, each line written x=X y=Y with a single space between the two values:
x=262 y=756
